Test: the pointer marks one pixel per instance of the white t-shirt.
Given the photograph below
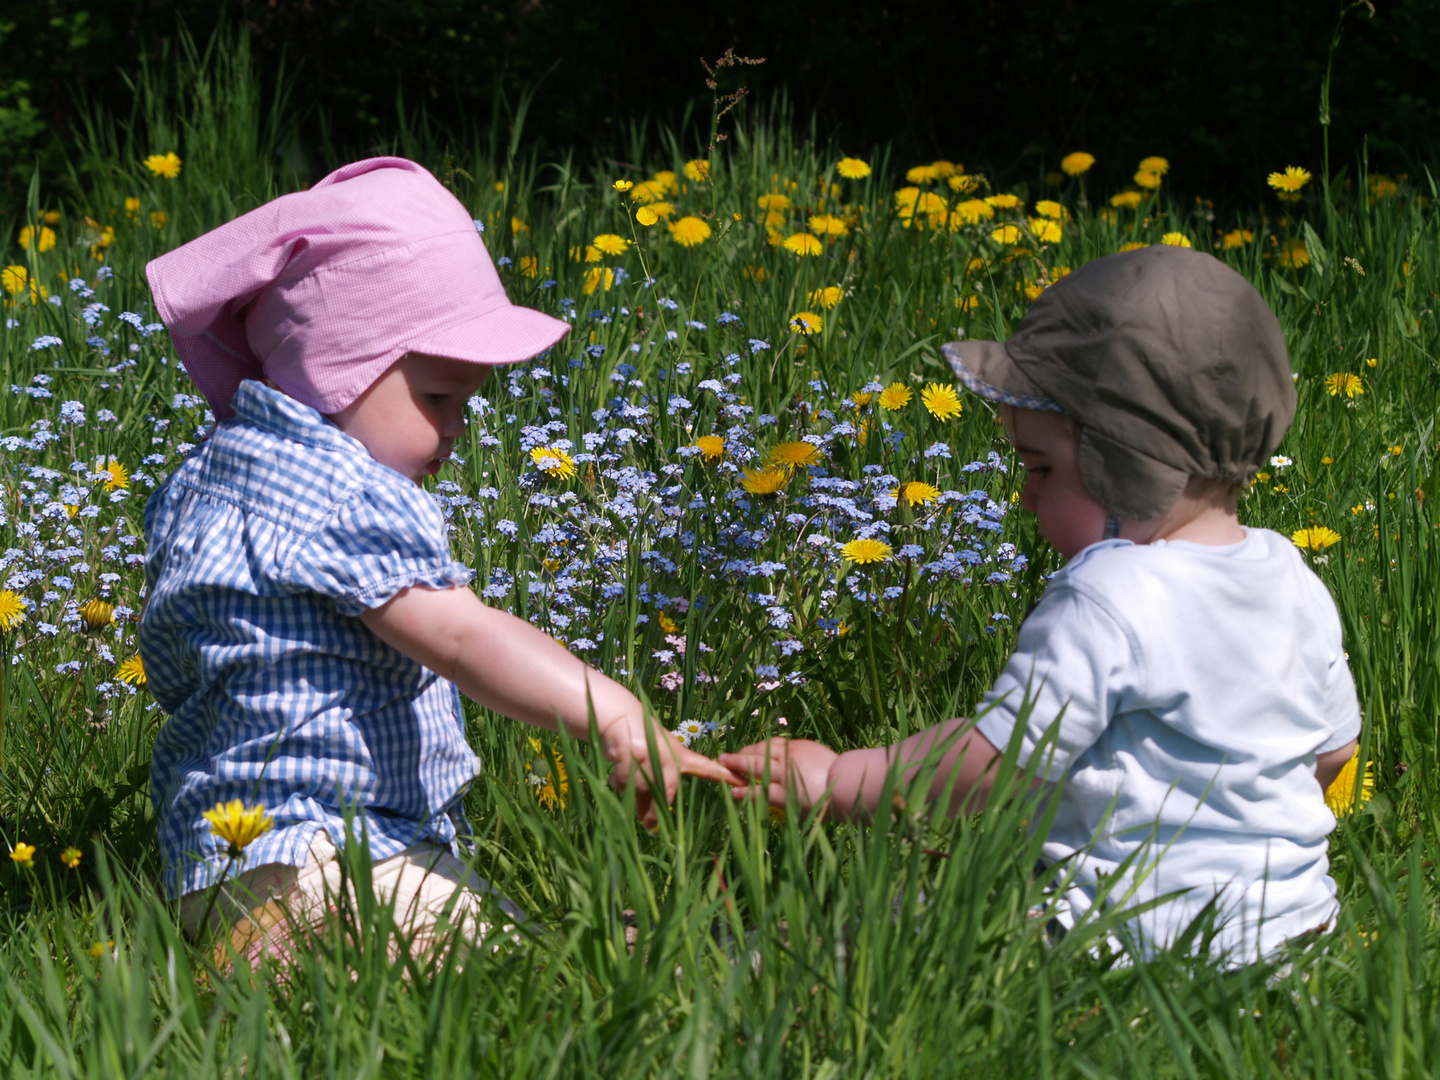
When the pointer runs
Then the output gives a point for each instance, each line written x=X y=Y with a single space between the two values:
x=1198 y=684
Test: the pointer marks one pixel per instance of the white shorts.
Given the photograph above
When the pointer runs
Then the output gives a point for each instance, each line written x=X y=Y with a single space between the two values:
x=431 y=890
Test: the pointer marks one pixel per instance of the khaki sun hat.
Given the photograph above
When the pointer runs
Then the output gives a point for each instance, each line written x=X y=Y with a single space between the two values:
x=1170 y=361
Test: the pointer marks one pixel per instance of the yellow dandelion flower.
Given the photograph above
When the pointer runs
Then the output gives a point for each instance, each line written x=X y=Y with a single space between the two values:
x=764 y=481
x=13 y=279
x=1051 y=209
x=1175 y=239
x=711 y=447
x=549 y=781
x=1147 y=179
x=863 y=552
x=97 y=614
x=23 y=854
x=1005 y=234
x=1003 y=201
x=648 y=191
x=662 y=209
x=1045 y=230
x=164 y=165
x=12 y=610
x=852 y=168
x=922 y=174
x=1342 y=382
x=1238 y=238
x=238 y=825
x=132 y=671
x=827 y=297
x=517 y=226
x=43 y=238
x=1340 y=795
x=1133 y=245
x=1158 y=165
x=71 y=857
x=895 y=397
x=828 y=225
x=1382 y=187
x=905 y=198
x=1127 y=200
x=1315 y=537
x=553 y=461
x=100 y=948
x=802 y=244
x=158 y=219
x=667 y=181
x=1293 y=254
x=861 y=398
x=792 y=455
x=596 y=277
x=946 y=168
x=755 y=273
x=622 y=186
x=971 y=212
x=698 y=170
x=529 y=265
x=807 y=323
x=962 y=184
x=646 y=216
x=610 y=244
x=114 y=475
x=1291 y=180
x=915 y=493
x=773 y=201
x=941 y=401
x=689 y=231
x=1077 y=163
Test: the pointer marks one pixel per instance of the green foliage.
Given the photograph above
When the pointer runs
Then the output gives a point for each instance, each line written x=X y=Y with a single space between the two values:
x=915 y=947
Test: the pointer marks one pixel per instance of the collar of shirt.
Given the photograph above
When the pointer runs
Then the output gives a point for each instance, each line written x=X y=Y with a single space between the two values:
x=274 y=410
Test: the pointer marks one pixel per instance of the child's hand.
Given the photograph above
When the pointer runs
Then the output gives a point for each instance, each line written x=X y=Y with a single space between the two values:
x=625 y=744
x=800 y=765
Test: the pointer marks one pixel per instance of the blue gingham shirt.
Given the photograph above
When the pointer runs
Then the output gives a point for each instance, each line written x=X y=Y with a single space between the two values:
x=263 y=548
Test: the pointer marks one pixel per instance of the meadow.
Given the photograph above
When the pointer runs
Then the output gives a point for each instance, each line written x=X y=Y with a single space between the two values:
x=747 y=485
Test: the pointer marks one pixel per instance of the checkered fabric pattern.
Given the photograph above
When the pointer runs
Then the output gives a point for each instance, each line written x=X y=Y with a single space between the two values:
x=263 y=547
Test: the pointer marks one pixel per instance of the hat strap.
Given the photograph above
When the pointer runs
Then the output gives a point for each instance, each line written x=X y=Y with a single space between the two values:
x=1112 y=527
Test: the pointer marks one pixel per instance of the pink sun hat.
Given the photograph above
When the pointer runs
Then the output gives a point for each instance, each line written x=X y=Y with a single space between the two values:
x=321 y=291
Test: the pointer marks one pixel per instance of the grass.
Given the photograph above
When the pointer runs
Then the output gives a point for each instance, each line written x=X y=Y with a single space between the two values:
x=765 y=947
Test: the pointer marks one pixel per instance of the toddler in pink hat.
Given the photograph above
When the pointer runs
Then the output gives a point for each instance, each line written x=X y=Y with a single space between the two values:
x=306 y=627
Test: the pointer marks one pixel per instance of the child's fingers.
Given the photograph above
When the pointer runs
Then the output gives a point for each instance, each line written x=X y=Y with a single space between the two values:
x=774 y=794
x=753 y=760
x=693 y=764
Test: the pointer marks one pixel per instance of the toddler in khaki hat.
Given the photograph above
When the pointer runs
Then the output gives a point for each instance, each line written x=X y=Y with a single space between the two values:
x=1195 y=664
x=305 y=625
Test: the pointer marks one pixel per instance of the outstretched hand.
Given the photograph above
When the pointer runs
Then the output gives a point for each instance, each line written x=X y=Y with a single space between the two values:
x=626 y=746
x=787 y=766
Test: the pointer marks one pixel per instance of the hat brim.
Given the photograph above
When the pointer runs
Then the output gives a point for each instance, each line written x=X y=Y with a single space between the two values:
x=987 y=370
x=504 y=335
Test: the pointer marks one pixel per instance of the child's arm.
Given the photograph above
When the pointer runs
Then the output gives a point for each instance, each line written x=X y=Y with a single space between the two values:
x=508 y=665
x=1329 y=764
x=853 y=780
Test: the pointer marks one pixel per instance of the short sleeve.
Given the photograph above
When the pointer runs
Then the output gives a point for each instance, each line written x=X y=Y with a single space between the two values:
x=1072 y=655
x=379 y=541
x=1342 y=705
